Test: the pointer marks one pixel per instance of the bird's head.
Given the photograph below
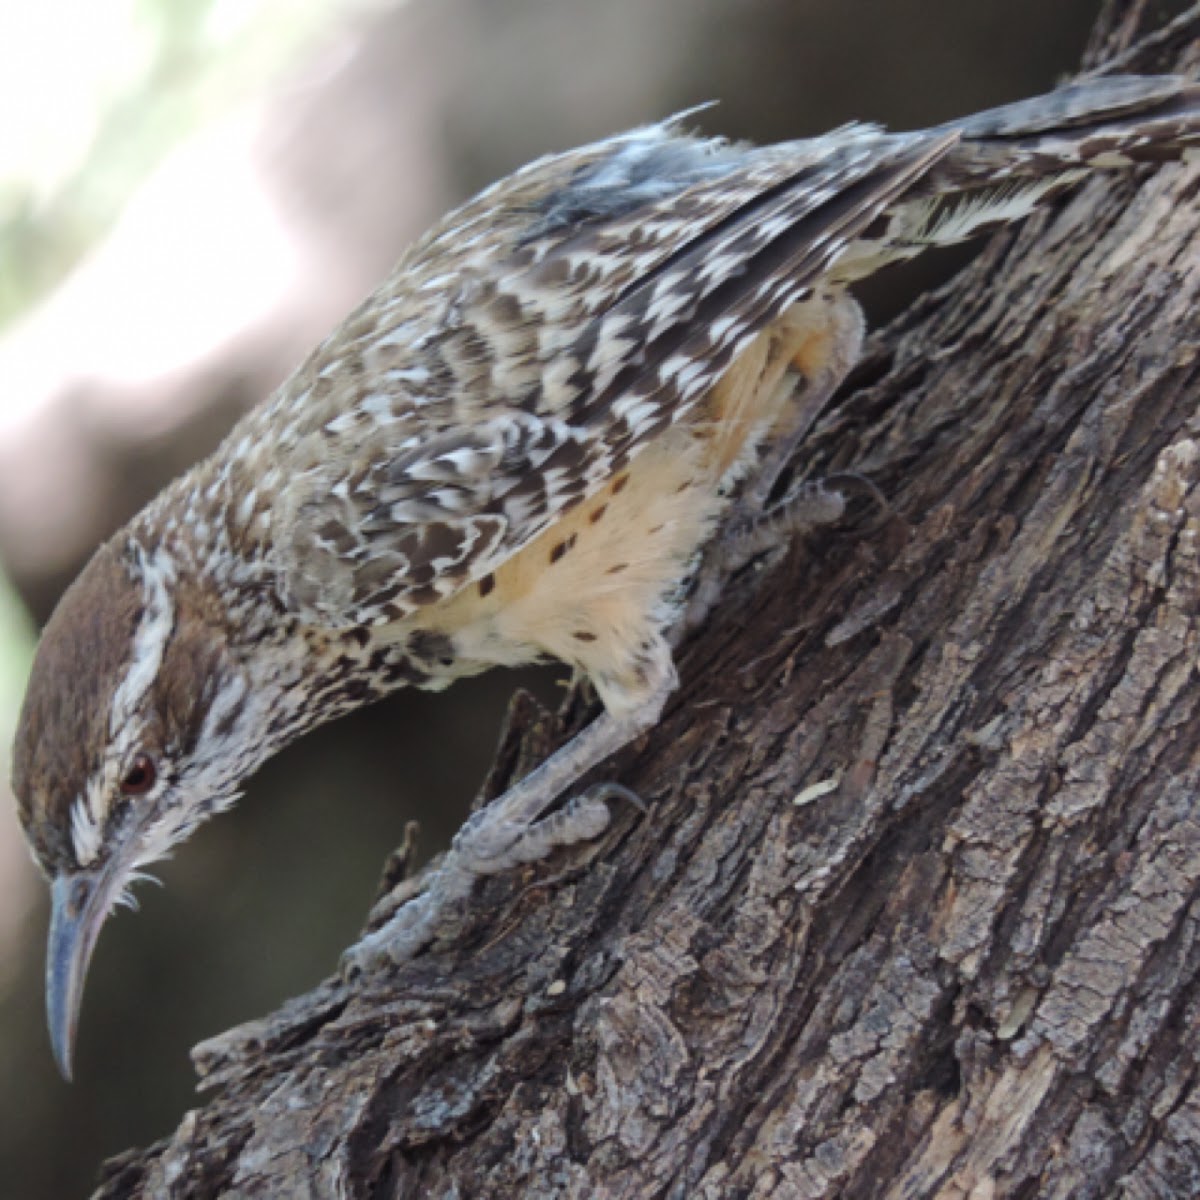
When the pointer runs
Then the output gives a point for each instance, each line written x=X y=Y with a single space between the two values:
x=138 y=723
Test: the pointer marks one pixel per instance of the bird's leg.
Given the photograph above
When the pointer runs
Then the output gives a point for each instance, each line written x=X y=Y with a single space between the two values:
x=828 y=337
x=511 y=830
x=807 y=506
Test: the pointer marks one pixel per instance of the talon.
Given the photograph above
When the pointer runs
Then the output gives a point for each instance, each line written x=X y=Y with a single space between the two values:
x=848 y=480
x=351 y=964
x=616 y=791
x=807 y=506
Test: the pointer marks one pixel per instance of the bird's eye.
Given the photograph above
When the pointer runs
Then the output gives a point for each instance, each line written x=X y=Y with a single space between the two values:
x=140 y=777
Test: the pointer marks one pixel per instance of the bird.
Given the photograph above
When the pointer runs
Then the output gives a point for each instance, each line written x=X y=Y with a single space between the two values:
x=544 y=436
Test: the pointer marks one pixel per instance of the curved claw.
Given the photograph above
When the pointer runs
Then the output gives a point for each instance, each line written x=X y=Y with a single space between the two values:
x=616 y=791
x=855 y=480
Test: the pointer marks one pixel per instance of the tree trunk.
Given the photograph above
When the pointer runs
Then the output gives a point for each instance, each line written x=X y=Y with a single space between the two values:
x=914 y=912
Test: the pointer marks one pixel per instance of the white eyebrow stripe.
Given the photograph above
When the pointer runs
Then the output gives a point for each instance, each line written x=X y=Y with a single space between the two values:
x=150 y=640
x=155 y=575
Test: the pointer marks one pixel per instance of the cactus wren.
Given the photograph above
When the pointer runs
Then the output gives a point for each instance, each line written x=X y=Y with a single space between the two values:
x=515 y=449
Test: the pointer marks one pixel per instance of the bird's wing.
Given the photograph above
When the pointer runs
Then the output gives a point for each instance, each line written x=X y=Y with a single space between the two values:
x=531 y=345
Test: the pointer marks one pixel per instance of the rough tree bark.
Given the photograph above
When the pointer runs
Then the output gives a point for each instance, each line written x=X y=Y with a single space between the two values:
x=915 y=910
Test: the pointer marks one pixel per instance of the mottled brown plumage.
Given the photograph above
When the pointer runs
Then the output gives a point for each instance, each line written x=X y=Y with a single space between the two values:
x=64 y=721
x=515 y=449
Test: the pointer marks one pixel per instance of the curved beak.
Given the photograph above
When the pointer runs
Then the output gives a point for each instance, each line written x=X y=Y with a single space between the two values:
x=79 y=904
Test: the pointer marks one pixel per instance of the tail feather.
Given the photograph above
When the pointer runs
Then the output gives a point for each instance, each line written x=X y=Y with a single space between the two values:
x=1007 y=160
x=1086 y=103
x=1099 y=123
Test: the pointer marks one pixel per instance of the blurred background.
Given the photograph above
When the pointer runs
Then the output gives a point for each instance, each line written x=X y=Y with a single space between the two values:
x=192 y=192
